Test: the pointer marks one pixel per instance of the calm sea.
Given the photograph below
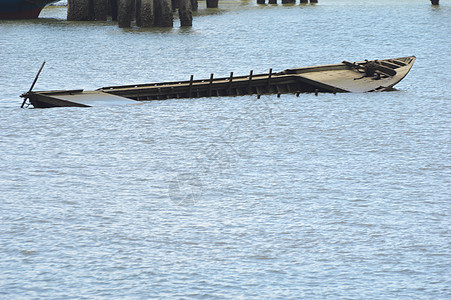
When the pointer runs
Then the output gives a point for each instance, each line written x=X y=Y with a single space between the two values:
x=341 y=196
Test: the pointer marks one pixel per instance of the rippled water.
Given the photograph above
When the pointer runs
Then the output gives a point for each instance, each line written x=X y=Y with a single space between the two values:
x=334 y=196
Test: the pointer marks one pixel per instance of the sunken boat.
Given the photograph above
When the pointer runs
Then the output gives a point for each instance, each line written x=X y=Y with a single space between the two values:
x=345 y=77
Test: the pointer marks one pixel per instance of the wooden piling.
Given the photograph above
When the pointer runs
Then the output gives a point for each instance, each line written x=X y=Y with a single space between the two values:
x=100 y=10
x=112 y=9
x=175 y=5
x=260 y=1
x=212 y=3
x=185 y=13
x=78 y=10
x=288 y=1
x=163 y=13
x=435 y=2
x=313 y=1
x=194 y=5
x=138 y=4
x=125 y=13
x=272 y=2
x=145 y=13
x=303 y=1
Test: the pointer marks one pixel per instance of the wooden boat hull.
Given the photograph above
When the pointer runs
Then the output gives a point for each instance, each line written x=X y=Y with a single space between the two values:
x=22 y=9
x=364 y=76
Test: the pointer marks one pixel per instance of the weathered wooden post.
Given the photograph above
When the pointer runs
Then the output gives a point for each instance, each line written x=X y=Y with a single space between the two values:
x=313 y=1
x=138 y=12
x=125 y=13
x=260 y=1
x=194 y=5
x=288 y=1
x=175 y=5
x=144 y=13
x=272 y=2
x=303 y=1
x=212 y=3
x=78 y=10
x=100 y=10
x=435 y=2
x=163 y=13
x=112 y=9
x=185 y=13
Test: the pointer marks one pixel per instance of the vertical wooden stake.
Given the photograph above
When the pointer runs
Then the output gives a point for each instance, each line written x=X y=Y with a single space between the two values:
x=249 y=87
x=269 y=80
x=230 y=83
x=210 y=84
x=190 y=86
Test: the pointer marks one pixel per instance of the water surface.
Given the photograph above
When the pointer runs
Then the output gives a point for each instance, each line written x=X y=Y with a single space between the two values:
x=331 y=196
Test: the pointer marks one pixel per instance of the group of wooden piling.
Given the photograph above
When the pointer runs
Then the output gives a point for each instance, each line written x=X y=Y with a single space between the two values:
x=146 y=13
x=286 y=1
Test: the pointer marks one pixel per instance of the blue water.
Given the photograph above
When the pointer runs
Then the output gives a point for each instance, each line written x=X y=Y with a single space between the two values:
x=341 y=196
